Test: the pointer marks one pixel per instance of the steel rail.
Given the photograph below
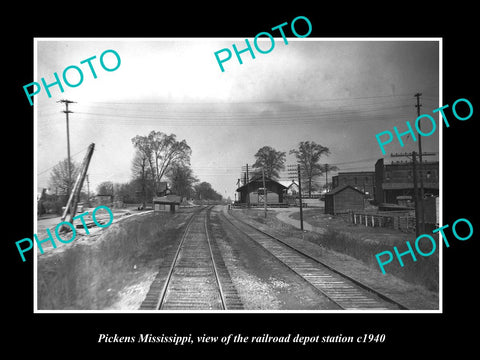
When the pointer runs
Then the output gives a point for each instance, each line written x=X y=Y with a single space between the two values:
x=172 y=267
x=211 y=264
x=217 y=278
x=341 y=274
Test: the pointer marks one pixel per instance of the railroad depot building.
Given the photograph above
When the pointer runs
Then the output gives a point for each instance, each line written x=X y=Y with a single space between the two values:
x=253 y=192
x=395 y=180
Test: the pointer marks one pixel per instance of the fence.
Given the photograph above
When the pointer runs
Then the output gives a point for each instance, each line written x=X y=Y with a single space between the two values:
x=403 y=221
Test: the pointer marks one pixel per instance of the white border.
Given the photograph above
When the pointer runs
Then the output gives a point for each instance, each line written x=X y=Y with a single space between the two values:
x=159 y=312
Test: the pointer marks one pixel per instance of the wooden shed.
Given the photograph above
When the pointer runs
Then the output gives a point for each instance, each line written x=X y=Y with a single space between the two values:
x=343 y=199
x=166 y=203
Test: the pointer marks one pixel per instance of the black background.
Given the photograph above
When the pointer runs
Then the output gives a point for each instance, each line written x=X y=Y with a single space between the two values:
x=407 y=334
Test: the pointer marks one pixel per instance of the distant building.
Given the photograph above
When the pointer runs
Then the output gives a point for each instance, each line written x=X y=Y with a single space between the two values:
x=253 y=191
x=395 y=180
x=291 y=187
x=343 y=199
x=361 y=180
x=163 y=189
x=103 y=200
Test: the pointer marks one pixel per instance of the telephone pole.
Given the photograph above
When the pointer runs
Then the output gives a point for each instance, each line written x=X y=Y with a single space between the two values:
x=66 y=111
x=420 y=166
x=264 y=192
x=299 y=190
x=418 y=200
x=248 y=189
x=246 y=184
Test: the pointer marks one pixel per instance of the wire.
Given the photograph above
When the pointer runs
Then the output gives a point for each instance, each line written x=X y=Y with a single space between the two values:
x=251 y=102
x=71 y=156
x=179 y=119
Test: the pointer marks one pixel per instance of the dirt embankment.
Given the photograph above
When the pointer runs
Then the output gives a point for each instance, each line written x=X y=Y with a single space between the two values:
x=90 y=274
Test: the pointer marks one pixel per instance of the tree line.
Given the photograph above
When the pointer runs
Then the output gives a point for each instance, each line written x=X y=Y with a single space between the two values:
x=159 y=158
x=308 y=155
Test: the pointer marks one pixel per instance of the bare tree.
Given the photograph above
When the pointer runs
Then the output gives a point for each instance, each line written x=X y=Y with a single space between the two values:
x=105 y=188
x=59 y=179
x=140 y=173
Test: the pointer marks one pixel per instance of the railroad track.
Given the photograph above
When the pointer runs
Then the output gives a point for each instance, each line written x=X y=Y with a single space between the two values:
x=346 y=292
x=197 y=278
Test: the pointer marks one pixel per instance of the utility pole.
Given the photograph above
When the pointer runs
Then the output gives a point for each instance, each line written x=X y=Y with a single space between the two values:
x=66 y=111
x=248 y=189
x=238 y=185
x=264 y=192
x=326 y=177
x=300 y=191
x=415 y=196
x=419 y=220
x=291 y=170
x=420 y=163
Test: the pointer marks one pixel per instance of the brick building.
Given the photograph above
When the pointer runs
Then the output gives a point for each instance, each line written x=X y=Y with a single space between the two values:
x=361 y=180
x=396 y=179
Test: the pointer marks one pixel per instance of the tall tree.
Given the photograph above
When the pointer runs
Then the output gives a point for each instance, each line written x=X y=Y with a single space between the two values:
x=308 y=156
x=105 y=188
x=59 y=179
x=204 y=191
x=271 y=160
x=141 y=174
x=182 y=180
x=161 y=151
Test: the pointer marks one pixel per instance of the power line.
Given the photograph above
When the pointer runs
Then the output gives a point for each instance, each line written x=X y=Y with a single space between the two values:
x=51 y=167
x=252 y=101
x=285 y=110
x=279 y=119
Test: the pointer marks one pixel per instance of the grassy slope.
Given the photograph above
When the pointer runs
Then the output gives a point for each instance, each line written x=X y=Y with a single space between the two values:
x=89 y=274
x=364 y=243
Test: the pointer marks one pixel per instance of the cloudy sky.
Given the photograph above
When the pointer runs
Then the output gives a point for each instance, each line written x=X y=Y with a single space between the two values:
x=337 y=93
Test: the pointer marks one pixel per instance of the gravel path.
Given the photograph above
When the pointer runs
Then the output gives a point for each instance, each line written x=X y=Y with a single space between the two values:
x=283 y=214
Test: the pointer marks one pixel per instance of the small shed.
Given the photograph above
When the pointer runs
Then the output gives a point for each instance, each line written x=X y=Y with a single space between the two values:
x=166 y=203
x=103 y=200
x=343 y=199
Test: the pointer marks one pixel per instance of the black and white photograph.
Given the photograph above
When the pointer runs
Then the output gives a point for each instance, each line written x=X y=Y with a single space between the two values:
x=261 y=187
x=229 y=180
